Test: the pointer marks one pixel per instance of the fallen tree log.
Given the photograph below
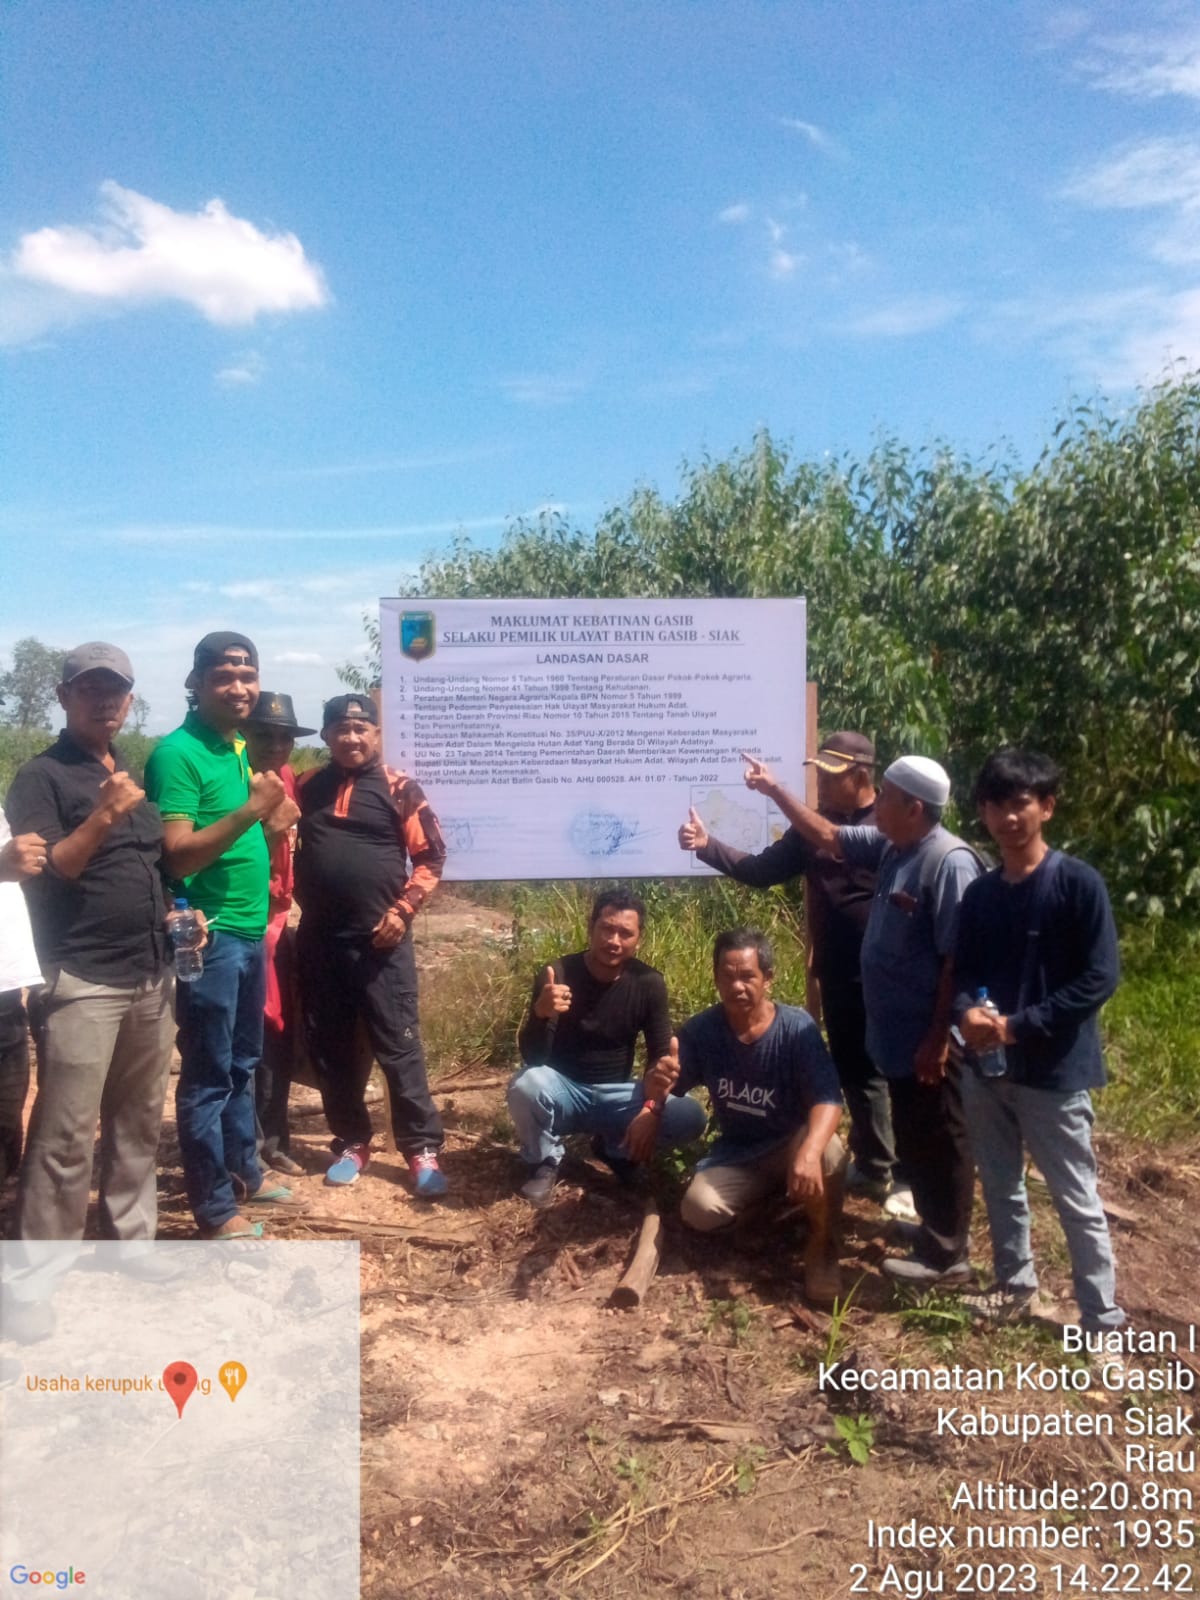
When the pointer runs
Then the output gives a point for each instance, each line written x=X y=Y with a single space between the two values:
x=639 y=1275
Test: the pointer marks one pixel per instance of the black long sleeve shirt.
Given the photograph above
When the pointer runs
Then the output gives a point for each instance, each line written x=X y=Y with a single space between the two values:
x=1057 y=1031
x=593 y=1042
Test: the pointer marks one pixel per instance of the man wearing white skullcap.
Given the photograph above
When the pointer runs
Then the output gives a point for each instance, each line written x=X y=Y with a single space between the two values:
x=907 y=968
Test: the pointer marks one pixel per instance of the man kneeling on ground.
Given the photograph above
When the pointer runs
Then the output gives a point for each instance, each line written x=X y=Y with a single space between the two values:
x=777 y=1102
x=577 y=1045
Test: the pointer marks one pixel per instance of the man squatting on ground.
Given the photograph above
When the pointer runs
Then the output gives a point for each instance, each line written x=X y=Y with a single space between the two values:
x=776 y=1098
x=361 y=824
x=271 y=732
x=1038 y=934
x=908 y=978
x=577 y=1043
x=838 y=903
x=20 y=858
x=103 y=1022
x=218 y=819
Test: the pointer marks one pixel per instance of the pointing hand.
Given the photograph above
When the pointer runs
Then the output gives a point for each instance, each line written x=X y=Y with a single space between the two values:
x=759 y=776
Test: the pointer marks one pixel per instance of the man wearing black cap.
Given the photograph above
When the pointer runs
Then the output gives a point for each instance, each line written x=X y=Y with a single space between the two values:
x=271 y=734
x=103 y=1021
x=215 y=849
x=839 y=902
x=361 y=825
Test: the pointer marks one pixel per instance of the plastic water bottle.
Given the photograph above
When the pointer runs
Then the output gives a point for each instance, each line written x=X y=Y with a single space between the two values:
x=992 y=1063
x=186 y=936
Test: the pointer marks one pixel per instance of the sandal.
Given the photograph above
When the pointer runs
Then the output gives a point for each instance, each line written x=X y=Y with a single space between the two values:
x=251 y=1230
x=268 y=1194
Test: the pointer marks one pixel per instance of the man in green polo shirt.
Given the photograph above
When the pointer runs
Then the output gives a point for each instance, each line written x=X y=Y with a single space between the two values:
x=215 y=849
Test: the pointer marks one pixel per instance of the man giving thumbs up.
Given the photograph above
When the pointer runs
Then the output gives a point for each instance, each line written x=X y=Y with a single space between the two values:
x=577 y=1043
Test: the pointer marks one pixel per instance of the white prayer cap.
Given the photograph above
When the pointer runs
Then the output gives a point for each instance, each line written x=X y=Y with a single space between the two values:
x=921 y=778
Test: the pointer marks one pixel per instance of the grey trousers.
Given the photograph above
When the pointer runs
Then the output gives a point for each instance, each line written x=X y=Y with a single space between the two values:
x=104 y=1054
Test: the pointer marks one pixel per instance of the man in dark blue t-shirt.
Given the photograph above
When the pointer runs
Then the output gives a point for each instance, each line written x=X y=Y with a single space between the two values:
x=1038 y=936
x=777 y=1102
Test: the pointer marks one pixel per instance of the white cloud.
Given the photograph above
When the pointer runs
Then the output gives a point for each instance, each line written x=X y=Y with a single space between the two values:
x=817 y=137
x=902 y=319
x=141 y=251
x=243 y=372
x=735 y=213
x=1120 y=339
x=1146 y=66
x=237 y=537
x=1150 y=172
x=413 y=463
x=542 y=389
x=783 y=263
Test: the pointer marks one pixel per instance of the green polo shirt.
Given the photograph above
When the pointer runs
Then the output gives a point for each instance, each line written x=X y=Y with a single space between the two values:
x=198 y=775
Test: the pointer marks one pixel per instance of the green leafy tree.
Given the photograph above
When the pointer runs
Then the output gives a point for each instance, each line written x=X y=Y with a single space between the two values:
x=954 y=605
x=27 y=688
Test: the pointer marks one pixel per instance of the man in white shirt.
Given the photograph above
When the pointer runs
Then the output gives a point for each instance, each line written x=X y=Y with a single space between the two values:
x=22 y=857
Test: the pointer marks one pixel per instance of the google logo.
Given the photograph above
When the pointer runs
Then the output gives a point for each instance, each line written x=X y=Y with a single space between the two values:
x=56 y=1580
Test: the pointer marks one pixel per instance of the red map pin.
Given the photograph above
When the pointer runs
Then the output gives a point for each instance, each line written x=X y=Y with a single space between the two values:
x=180 y=1380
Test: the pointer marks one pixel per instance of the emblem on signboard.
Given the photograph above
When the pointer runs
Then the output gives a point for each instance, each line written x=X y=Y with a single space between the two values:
x=416 y=634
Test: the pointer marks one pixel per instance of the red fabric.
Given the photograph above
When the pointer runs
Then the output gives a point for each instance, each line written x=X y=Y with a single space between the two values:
x=277 y=918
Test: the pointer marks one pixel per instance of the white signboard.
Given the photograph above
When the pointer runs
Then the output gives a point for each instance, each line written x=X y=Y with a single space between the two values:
x=567 y=738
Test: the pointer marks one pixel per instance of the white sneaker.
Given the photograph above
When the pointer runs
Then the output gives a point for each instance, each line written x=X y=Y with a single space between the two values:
x=899 y=1204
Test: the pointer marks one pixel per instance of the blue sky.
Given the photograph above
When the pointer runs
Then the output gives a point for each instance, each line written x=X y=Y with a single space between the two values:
x=289 y=292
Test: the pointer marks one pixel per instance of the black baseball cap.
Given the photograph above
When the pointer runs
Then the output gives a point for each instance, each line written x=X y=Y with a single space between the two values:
x=841 y=751
x=349 y=705
x=275 y=711
x=215 y=647
x=96 y=656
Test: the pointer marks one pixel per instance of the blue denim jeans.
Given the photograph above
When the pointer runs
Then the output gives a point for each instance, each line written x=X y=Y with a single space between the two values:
x=1005 y=1119
x=220 y=1019
x=545 y=1106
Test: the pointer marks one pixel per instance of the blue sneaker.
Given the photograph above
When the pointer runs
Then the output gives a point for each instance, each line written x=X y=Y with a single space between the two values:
x=429 y=1181
x=348 y=1165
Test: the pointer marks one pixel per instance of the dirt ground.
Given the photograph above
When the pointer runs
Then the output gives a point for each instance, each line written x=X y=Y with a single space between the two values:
x=521 y=1438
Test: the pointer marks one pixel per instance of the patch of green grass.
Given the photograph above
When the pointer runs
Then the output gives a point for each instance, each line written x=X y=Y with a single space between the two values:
x=1152 y=1031
x=746 y=1468
x=733 y=1315
x=472 y=1008
x=943 y=1317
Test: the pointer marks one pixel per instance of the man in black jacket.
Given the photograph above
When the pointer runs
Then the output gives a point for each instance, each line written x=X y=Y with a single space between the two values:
x=1038 y=935
x=839 y=902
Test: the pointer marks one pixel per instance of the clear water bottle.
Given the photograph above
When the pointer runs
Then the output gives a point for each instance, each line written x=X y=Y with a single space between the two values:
x=186 y=936
x=992 y=1063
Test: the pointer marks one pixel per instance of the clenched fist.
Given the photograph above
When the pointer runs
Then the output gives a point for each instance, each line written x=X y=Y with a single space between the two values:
x=118 y=796
x=266 y=793
x=285 y=815
x=23 y=857
x=553 y=999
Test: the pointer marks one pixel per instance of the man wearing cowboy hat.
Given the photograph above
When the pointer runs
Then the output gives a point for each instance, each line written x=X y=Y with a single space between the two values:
x=104 y=1023
x=271 y=732
x=838 y=902
x=908 y=986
